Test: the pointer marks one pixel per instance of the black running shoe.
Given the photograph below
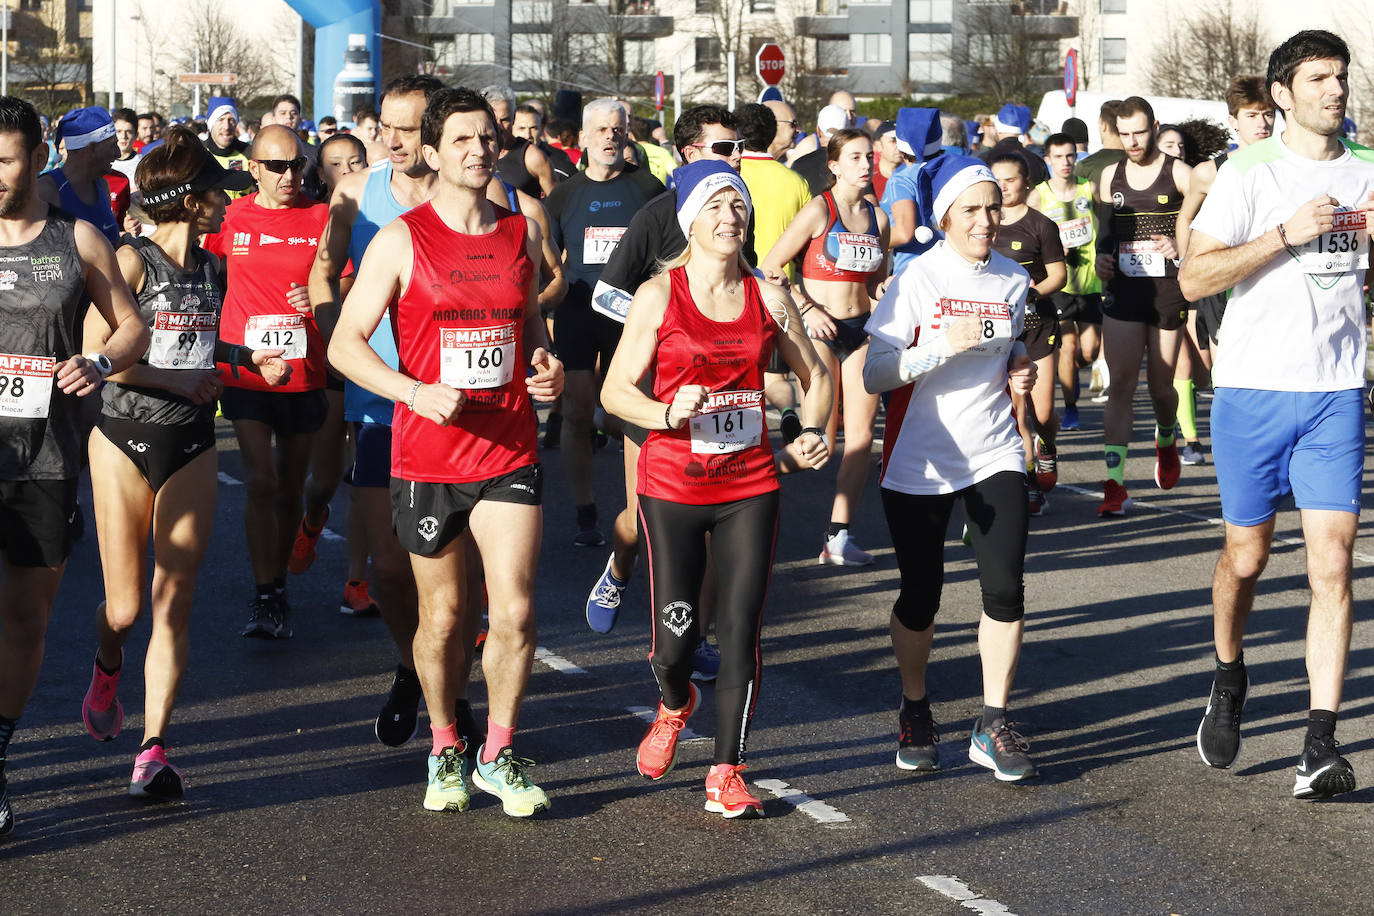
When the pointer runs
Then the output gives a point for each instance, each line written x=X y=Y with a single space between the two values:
x=6 y=815
x=262 y=622
x=918 y=741
x=1218 y=737
x=399 y=719
x=283 y=615
x=1322 y=771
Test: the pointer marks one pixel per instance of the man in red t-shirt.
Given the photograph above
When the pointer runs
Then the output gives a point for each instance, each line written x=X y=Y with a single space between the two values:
x=461 y=284
x=268 y=244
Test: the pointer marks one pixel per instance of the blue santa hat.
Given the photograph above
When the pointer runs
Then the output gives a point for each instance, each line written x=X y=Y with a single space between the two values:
x=82 y=127
x=219 y=106
x=940 y=183
x=697 y=181
x=1012 y=119
x=919 y=132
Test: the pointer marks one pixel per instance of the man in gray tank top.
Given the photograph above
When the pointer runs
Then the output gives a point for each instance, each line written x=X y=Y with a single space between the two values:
x=48 y=262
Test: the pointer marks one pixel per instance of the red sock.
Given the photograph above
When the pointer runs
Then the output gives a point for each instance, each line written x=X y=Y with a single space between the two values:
x=444 y=737
x=498 y=738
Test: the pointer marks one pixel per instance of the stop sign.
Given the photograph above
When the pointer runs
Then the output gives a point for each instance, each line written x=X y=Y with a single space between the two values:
x=770 y=64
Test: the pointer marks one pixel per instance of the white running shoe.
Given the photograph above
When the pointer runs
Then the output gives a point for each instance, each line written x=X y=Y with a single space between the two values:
x=842 y=551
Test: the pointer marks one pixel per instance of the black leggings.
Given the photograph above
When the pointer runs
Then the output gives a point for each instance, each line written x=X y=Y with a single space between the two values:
x=998 y=519
x=744 y=534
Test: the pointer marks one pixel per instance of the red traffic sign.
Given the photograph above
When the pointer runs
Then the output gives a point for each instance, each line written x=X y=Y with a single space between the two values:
x=1071 y=76
x=658 y=90
x=770 y=64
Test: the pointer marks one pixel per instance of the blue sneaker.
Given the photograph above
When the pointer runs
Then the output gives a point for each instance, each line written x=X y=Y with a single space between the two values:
x=705 y=661
x=1001 y=750
x=505 y=778
x=447 y=789
x=603 y=604
x=1070 y=420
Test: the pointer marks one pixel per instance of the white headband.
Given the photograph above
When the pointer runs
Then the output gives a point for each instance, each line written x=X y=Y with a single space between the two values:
x=956 y=185
x=80 y=141
x=691 y=205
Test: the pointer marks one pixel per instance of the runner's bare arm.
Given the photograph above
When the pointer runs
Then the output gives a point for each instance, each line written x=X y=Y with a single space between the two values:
x=332 y=255
x=1211 y=267
x=877 y=281
x=1056 y=275
x=109 y=296
x=553 y=284
x=1199 y=186
x=620 y=393
x=1105 y=264
x=546 y=384
x=818 y=389
x=903 y=222
x=537 y=164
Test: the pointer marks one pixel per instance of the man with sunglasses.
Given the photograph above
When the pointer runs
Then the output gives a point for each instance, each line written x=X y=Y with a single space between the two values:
x=588 y=215
x=268 y=244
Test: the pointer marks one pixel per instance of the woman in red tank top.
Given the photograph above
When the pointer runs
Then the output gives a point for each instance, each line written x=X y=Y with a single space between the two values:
x=704 y=330
x=843 y=241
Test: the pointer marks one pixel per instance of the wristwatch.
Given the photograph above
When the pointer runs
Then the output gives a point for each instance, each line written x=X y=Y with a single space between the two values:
x=102 y=363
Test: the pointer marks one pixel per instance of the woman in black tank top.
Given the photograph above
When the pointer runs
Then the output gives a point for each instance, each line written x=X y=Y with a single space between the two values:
x=153 y=461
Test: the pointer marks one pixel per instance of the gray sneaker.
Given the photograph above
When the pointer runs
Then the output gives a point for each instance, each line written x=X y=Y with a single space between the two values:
x=918 y=741
x=1191 y=454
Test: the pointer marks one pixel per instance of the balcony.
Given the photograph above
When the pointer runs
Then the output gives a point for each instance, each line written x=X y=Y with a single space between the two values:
x=1043 y=18
x=824 y=26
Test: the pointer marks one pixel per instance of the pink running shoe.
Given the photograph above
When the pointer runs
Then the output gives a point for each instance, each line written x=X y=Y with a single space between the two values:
x=101 y=710
x=154 y=778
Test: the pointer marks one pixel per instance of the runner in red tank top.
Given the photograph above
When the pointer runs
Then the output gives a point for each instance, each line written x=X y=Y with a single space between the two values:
x=706 y=330
x=458 y=275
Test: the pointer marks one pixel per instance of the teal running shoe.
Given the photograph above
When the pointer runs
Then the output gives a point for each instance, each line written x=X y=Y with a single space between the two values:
x=505 y=778
x=447 y=789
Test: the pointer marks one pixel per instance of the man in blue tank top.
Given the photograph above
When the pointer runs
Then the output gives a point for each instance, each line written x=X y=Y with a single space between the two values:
x=77 y=186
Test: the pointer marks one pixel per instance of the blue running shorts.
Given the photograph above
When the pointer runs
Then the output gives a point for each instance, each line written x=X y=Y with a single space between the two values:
x=1267 y=444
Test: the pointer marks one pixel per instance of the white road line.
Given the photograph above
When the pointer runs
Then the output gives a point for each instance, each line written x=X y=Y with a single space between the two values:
x=647 y=714
x=818 y=811
x=957 y=890
x=1196 y=516
x=330 y=534
x=556 y=662
x=229 y=481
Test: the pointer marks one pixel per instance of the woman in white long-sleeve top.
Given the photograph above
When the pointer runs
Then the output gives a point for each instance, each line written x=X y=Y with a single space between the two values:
x=943 y=341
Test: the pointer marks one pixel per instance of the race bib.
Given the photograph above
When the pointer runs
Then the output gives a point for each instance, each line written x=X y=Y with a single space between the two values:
x=183 y=340
x=730 y=421
x=1076 y=232
x=1343 y=249
x=859 y=252
x=277 y=332
x=477 y=357
x=994 y=320
x=1140 y=259
x=26 y=385
x=598 y=242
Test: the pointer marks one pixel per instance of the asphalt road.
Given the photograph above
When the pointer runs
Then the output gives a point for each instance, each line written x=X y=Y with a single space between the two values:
x=293 y=806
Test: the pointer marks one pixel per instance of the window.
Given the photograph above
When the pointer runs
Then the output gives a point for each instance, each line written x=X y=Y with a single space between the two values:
x=463 y=48
x=637 y=56
x=832 y=7
x=528 y=52
x=707 y=6
x=868 y=2
x=870 y=49
x=928 y=57
x=529 y=10
x=832 y=55
x=1113 y=6
x=707 y=54
x=930 y=11
x=1113 y=56
x=762 y=6
x=984 y=49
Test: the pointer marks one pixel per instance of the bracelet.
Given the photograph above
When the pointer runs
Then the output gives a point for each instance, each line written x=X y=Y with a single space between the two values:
x=667 y=423
x=808 y=308
x=410 y=401
x=235 y=352
x=1283 y=237
x=820 y=433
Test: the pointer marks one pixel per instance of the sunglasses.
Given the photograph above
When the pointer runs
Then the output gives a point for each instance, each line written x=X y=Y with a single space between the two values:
x=328 y=131
x=281 y=165
x=725 y=148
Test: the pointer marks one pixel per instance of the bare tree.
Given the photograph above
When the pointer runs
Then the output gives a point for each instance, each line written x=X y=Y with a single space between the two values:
x=225 y=48
x=566 y=47
x=50 y=66
x=1199 y=55
x=1001 y=53
x=1089 y=13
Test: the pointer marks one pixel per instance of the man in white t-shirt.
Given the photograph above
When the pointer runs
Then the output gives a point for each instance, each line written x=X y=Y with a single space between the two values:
x=1284 y=225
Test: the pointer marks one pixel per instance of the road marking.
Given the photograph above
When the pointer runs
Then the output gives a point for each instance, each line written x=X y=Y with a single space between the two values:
x=330 y=534
x=957 y=890
x=557 y=662
x=1196 y=516
x=229 y=481
x=648 y=715
x=818 y=811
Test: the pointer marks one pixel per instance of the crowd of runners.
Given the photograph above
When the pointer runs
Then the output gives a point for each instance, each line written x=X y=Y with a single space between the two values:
x=401 y=306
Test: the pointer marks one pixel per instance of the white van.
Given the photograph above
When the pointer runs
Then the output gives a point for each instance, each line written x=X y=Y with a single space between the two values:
x=1055 y=110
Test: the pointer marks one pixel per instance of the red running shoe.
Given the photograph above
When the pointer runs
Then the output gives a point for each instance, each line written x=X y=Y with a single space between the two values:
x=1114 y=499
x=658 y=749
x=356 y=600
x=727 y=795
x=303 y=549
x=1166 y=466
x=1046 y=466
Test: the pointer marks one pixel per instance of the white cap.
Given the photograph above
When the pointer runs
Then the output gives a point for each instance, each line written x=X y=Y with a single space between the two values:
x=831 y=119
